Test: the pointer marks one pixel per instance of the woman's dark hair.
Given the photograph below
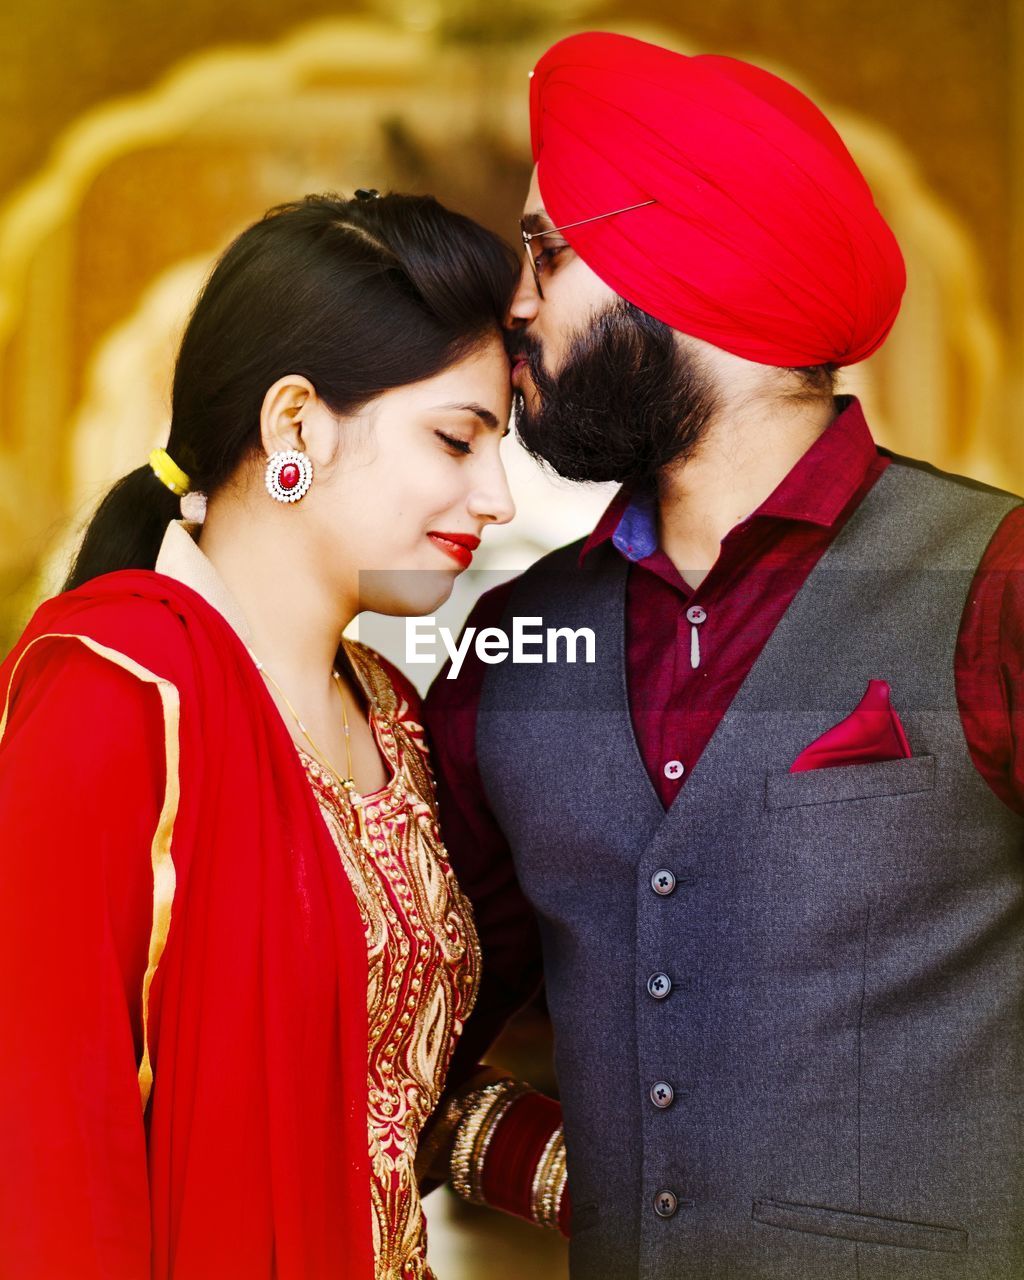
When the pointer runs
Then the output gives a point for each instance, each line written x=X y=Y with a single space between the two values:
x=359 y=296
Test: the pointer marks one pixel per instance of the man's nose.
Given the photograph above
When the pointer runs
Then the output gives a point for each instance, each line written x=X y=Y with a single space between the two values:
x=525 y=303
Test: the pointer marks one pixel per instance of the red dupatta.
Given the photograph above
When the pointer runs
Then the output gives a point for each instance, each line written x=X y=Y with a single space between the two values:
x=209 y=1120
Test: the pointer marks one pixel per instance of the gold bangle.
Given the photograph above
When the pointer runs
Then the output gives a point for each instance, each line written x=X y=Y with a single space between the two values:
x=482 y=1113
x=474 y=1112
x=549 y=1181
x=557 y=1196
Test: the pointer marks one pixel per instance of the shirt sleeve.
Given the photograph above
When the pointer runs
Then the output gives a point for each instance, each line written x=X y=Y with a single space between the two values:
x=479 y=852
x=989 y=663
x=80 y=799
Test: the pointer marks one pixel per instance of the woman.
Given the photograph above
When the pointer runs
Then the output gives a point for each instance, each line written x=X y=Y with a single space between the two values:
x=218 y=827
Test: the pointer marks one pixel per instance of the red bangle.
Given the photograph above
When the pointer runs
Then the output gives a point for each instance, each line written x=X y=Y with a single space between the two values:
x=517 y=1145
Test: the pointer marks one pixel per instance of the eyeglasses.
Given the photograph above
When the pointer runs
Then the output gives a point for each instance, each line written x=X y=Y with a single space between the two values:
x=550 y=231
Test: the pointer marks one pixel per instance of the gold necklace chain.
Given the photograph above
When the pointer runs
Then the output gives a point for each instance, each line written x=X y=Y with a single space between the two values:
x=347 y=782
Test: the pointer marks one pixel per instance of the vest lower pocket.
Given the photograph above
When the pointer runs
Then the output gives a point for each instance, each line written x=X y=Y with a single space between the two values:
x=864 y=1227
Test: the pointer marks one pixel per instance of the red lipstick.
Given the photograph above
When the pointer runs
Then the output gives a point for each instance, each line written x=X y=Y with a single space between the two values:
x=460 y=546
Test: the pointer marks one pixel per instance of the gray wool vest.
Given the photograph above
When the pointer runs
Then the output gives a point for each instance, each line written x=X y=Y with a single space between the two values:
x=788 y=1011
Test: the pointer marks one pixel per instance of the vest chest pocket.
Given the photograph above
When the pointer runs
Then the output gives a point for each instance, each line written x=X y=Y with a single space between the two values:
x=784 y=790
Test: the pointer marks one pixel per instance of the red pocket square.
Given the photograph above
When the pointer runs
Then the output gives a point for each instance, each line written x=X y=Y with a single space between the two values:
x=872 y=733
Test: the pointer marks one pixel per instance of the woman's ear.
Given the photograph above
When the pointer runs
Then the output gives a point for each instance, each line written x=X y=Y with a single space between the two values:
x=281 y=414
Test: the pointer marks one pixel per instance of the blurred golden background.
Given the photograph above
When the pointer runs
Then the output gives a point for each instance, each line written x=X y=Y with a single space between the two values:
x=137 y=138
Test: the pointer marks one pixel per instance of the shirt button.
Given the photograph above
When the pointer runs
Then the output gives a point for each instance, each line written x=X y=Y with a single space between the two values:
x=665 y=1204
x=696 y=615
x=659 y=985
x=662 y=1093
x=674 y=769
x=663 y=882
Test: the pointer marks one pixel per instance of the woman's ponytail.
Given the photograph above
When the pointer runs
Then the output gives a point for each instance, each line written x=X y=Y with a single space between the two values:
x=127 y=529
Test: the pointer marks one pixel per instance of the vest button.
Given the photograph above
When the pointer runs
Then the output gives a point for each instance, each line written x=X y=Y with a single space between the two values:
x=663 y=882
x=659 y=985
x=662 y=1093
x=665 y=1204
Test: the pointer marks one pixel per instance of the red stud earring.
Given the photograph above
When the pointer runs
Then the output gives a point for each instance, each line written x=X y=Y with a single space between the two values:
x=289 y=475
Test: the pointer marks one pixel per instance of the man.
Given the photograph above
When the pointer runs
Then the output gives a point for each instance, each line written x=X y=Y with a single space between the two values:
x=772 y=835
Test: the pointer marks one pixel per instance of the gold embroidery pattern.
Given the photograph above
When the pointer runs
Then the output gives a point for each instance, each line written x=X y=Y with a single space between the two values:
x=424 y=960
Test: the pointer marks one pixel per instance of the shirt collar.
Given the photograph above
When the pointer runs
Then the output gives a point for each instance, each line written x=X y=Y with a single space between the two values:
x=817 y=489
x=180 y=557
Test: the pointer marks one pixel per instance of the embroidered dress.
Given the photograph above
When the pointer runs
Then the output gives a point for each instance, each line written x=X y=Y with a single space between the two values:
x=219 y=1102
x=422 y=952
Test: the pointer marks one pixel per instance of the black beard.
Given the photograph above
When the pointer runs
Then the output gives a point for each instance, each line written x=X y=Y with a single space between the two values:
x=626 y=402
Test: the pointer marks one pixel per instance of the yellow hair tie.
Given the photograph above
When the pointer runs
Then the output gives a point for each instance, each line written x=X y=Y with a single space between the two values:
x=169 y=473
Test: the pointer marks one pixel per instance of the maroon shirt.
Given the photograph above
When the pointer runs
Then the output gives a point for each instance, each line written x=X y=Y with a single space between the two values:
x=689 y=649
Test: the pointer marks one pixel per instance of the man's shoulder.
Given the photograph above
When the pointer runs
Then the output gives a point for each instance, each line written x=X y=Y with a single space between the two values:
x=933 y=476
x=567 y=556
x=493 y=603
x=564 y=559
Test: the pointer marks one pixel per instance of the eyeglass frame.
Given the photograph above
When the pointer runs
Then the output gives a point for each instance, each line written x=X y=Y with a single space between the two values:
x=568 y=226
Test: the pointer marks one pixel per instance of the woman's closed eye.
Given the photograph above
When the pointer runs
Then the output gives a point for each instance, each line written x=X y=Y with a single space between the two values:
x=453 y=442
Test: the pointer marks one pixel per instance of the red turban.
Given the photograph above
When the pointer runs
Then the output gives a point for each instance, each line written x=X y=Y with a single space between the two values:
x=764 y=241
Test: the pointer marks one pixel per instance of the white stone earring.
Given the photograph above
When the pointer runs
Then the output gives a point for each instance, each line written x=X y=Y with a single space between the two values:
x=289 y=475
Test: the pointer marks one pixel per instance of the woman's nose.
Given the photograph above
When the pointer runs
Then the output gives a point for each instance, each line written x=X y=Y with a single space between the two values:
x=492 y=501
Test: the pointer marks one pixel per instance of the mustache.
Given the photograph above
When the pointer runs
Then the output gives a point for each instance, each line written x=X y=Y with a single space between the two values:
x=519 y=345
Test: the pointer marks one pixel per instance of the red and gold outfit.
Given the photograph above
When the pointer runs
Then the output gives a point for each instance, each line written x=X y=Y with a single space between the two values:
x=192 y=1081
x=423 y=957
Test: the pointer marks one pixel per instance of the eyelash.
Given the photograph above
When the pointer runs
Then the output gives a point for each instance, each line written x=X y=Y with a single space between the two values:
x=548 y=255
x=460 y=446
